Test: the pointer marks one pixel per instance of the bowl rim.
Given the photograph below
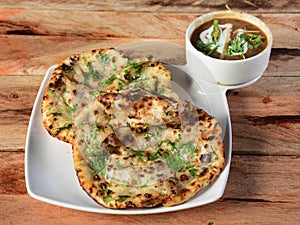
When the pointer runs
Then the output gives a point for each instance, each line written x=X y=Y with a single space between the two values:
x=228 y=14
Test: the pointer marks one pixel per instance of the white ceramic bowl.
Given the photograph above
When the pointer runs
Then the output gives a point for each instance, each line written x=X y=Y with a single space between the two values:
x=227 y=72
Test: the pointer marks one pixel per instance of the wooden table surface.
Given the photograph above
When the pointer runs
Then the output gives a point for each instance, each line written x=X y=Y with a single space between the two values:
x=264 y=181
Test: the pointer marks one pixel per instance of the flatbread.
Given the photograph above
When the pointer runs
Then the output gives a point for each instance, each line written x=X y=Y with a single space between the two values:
x=157 y=155
x=81 y=77
x=135 y=143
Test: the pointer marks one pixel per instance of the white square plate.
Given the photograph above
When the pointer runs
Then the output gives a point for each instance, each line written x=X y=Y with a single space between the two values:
x=49 y=172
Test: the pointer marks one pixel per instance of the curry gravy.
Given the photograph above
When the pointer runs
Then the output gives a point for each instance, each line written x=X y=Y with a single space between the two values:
x=235 y=26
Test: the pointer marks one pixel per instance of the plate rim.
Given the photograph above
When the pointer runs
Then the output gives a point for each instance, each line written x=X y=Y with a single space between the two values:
x=102 y=209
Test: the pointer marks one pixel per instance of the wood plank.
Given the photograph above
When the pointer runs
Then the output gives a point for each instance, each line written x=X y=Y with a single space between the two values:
x=263 y=186
x=12 y=179
x=284 y=62
x=230 y=212
x=267 y=97
x=158 y=6
x=146 y=25
x=17 y=95
x=252 y=178
x=264 y=178
x=266 y=136
x=264 y=118
x=260 y=113
x=8 y=134
x=256 y=186
x=271 y=139
x=32 y=55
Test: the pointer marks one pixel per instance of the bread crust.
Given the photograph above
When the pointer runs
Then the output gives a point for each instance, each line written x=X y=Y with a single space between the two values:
x=135 y=143
x=170 y=186
x=74 y=82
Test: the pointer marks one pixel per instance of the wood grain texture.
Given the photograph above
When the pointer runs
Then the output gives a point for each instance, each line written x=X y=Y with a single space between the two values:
x=12 y=179
x=32 y=55
x=256 y=186
x=151 y=25
x=256 y=178
x=158 y=5
x=266 y=117
x=35 y=39
x=267 y=97
x=229 y=212
x=261 y=113
x=266 y=136
x=264 y=178
x=263 y=186
x=17 y=95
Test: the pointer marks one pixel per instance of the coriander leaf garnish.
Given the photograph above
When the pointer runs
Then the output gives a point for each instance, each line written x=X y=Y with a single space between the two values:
x=136 y=66
x=104 y=58
x=139 y=153
x=254 y=41
x=97 y=159
x=165 y=155
x=89 y=63
x=192 y=170
x=122 y=198
x=110 y=80
x=133 y=71
x=154 y=156
x=176 y=162
x=70 y=108
x=120 y=86
x=207 y=48
x=168 y=142
x=50 y=91
x=204 y=47
x=66 y=126
x=107 y=193
x=59 y=113
x=147 y=134
x=236 y=46
x=188 y=148
x=94 y=93
x=216 y=31
x=160 y=91
x=213 y=50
